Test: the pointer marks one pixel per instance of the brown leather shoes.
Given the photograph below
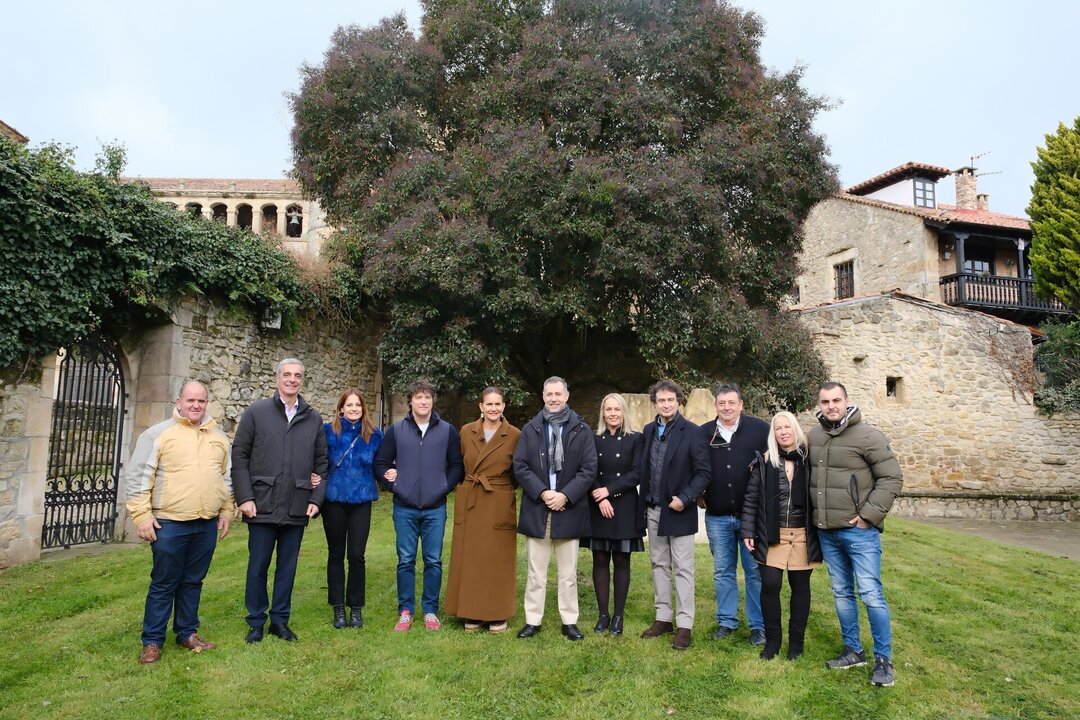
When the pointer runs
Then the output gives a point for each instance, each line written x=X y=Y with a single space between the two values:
x=682 y=639
x=658 y=628
x=150 y=654
x=194 y=643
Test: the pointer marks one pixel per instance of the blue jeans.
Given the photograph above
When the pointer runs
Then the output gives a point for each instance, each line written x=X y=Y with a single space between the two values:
x=723 y=532
x=426 y=526
x=182 y=555
x=853 y=558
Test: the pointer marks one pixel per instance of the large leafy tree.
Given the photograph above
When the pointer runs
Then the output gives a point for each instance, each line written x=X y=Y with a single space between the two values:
x=608 y=190
x=1055 y=216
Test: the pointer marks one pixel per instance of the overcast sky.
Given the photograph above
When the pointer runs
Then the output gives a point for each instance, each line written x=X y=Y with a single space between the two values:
x=196 y=89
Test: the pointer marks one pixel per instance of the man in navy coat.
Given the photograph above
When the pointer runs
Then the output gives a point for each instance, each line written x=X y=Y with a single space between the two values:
x=674 y=473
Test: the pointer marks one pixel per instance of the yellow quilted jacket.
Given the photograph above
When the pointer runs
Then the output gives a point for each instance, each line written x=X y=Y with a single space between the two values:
x=179 y=471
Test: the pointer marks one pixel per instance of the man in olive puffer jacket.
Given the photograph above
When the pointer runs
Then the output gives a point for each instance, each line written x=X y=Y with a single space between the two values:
x=854 y=479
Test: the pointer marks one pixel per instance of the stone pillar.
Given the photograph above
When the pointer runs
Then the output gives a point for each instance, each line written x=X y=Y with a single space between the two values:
x=230 y=215
x=164 y=364
x=256 y=219
x=26 y=412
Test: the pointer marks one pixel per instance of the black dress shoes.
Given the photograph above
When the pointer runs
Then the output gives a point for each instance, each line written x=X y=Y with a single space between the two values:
x=602 y=623
x=572 y=633
x=616 y=625
x=254 y=635
x=528 y=631
x=282 y=631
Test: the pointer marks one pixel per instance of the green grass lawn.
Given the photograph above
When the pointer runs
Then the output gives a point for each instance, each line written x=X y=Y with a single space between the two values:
x=981 y=630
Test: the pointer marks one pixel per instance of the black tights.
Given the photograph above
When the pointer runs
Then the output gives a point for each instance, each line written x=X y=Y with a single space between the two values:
x=771 y=580
x=601 y=579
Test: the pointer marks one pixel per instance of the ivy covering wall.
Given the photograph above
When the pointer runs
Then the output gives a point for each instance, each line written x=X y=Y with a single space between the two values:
x=86 y=251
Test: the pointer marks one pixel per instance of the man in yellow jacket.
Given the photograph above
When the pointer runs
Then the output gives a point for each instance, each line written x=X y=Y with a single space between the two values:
x=179 y=495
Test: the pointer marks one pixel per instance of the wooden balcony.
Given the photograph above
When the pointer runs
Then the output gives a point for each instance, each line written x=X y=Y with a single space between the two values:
x=1009 y=297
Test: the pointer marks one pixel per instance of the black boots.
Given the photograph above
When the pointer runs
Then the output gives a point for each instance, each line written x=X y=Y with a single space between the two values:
x=356 y=617
x=339 y=616
x=773 y=637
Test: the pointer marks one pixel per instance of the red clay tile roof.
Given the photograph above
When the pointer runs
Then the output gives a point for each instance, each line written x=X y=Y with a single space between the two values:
x=278 y=186
x=951 y=213
x=946 y=214
x=889 y=177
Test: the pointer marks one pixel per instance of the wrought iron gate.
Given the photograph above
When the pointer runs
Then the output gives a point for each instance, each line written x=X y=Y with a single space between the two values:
x=84 y=448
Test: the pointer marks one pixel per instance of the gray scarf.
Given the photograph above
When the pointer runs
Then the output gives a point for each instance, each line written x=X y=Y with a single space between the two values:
x=556 y=421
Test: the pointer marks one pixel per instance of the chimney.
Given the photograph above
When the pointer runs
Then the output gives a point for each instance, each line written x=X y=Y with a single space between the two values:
x=965 y=189
x=982 y=201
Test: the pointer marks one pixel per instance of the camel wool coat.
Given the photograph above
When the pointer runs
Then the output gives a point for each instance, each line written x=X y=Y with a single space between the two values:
x=483 y=555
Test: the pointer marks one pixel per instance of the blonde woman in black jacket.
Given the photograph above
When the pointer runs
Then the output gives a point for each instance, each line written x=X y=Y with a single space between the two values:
x=777 y=528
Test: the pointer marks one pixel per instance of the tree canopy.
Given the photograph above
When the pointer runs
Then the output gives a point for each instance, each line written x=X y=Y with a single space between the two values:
x=87 y=251
x=1055 y=216
x=608 y=190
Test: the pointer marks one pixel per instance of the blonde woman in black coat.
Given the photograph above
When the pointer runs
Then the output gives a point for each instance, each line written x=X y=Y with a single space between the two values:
x=614 y=498
x=777 y=528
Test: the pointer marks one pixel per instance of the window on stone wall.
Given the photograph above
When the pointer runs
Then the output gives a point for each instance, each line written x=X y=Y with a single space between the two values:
x=294 y=224
x=269 y=219
x=194 y=208
x=221 y=212
x=894 y=389
x=924 y=193
x=844 y=280
x=244 y=216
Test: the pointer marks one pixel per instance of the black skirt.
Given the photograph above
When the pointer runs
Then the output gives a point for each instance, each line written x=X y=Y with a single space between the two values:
x=605 y=545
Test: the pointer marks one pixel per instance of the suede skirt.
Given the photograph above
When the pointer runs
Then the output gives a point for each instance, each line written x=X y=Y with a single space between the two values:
x=790 y=553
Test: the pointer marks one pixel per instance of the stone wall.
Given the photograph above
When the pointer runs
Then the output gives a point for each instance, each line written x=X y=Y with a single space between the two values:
x=232 y=356
x=988 y=506
x=960 y=416
x=889 y=249
x=236 y=360
x=25 y=413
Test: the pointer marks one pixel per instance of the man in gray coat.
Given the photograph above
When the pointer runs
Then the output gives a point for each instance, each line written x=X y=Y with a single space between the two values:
x=555 y=465
x=854 y=480
x=279 y=445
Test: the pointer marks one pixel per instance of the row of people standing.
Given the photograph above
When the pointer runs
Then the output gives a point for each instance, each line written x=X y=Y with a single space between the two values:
x=576 y=484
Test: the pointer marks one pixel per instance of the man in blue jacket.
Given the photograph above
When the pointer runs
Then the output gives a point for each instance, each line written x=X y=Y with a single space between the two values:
x=420 y=461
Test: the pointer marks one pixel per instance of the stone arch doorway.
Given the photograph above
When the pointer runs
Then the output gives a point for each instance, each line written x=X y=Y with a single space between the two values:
x=84 y=445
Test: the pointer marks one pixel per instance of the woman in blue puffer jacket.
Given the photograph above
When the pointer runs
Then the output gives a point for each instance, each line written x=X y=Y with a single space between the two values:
x=352 y=440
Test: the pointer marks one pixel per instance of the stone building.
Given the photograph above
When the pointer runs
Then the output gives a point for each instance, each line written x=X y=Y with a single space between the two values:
x=274 y=206
x=920 y=308
x=892 y=232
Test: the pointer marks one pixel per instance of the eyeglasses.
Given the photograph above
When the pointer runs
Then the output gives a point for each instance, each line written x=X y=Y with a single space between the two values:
x=718 y=441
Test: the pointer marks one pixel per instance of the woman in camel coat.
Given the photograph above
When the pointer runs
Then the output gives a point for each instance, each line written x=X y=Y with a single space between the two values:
x=482 y=587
